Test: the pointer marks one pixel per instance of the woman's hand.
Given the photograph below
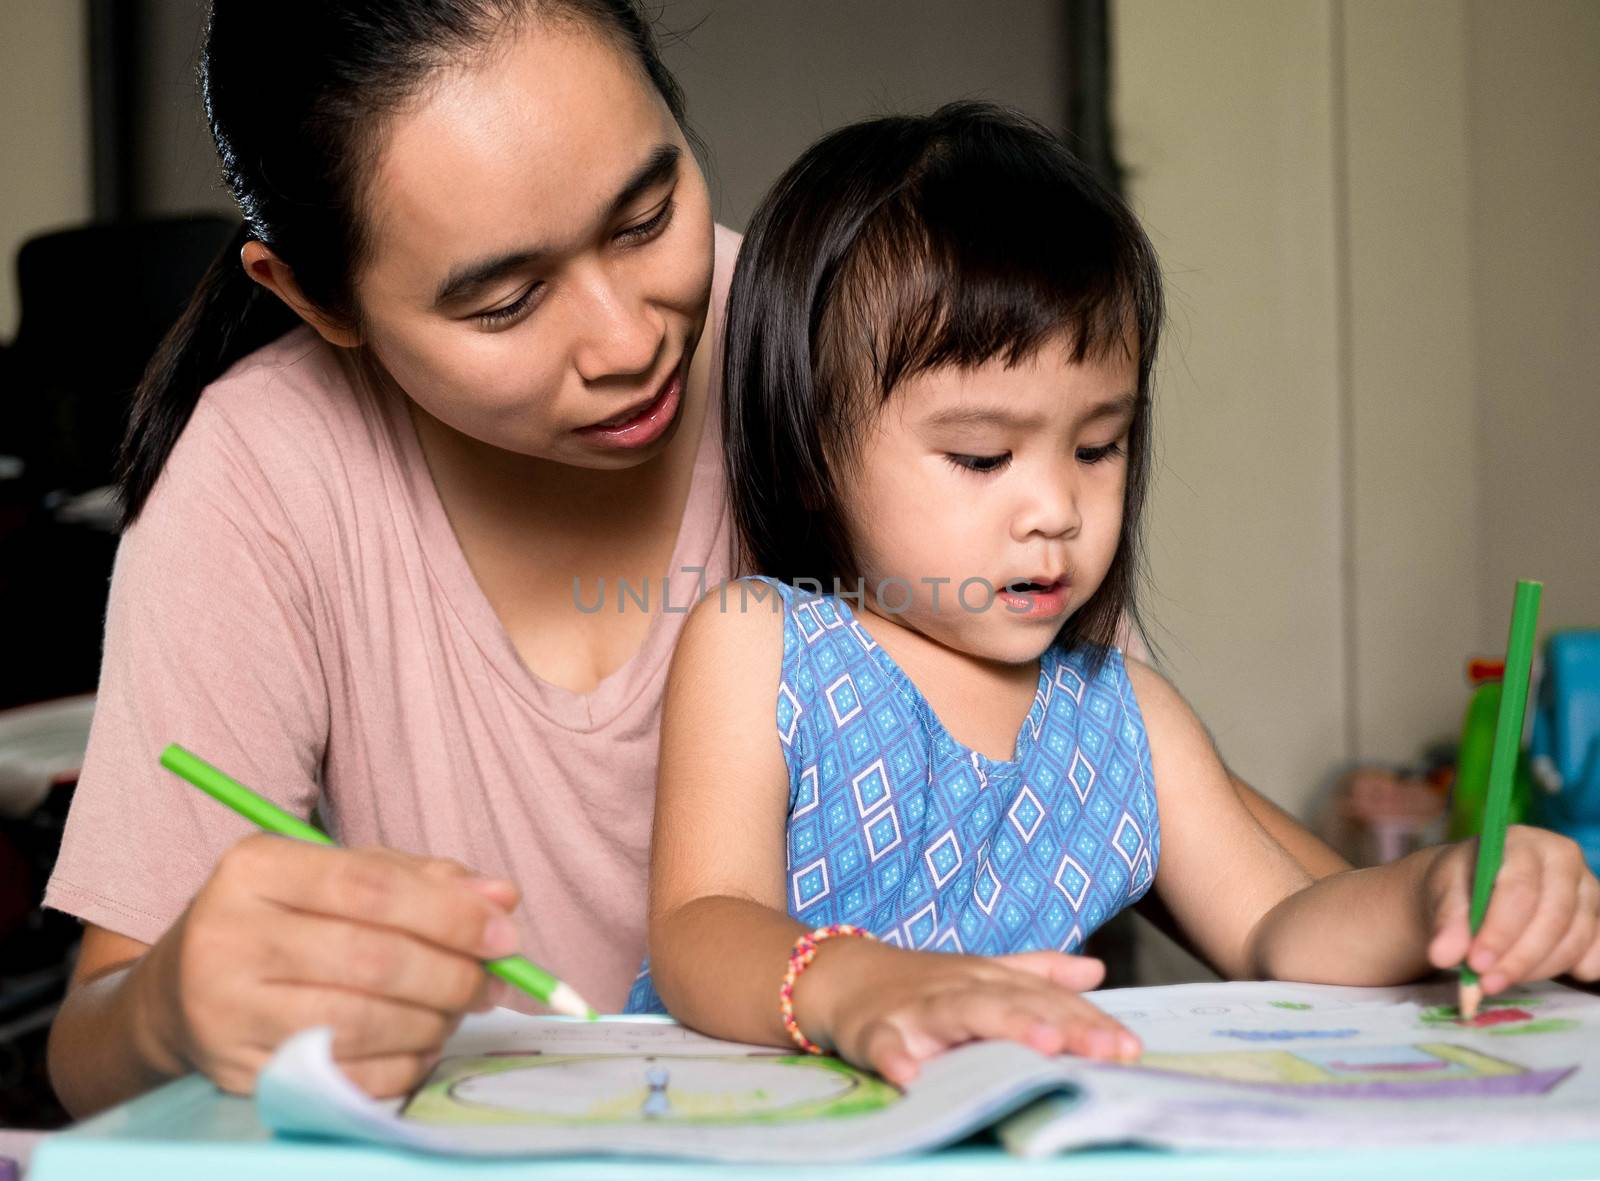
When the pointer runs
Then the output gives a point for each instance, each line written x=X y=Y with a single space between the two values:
x=1543 y=918
x=890 y=1010
x=384 y=947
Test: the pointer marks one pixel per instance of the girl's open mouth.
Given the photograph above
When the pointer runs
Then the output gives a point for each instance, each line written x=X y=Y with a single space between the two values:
x=1035 y=600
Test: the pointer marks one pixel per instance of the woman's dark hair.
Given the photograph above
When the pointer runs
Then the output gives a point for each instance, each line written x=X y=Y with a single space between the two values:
x=901 y=245
x=295 y=92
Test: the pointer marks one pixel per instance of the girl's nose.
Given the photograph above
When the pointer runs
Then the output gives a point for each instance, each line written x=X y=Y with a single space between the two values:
x=1051 y=509
x=619 y=333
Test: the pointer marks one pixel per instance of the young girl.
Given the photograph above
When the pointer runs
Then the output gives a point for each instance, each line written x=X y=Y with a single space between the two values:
x=937 y=383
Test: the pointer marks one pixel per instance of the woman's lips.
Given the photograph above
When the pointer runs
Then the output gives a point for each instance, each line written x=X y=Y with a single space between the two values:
x=1033 y=600
x=643 y=425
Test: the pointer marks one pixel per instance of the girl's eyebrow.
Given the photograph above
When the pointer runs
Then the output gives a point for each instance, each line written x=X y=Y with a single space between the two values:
x=470 y=278
x=974 y=416
x=1122 y=404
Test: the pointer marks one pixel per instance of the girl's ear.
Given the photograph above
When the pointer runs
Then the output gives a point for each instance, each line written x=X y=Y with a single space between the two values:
x=277 y=277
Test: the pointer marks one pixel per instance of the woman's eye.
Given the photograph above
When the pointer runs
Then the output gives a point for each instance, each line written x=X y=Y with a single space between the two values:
x=504 y=314
x=650 y=227
x=980 y=463
x=1097 y=454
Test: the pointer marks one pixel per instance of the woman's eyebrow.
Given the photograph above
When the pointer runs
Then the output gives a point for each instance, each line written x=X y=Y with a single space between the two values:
x=468 y=278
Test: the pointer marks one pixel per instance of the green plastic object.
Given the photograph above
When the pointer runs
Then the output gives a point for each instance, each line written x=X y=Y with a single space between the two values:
x=1471 y=788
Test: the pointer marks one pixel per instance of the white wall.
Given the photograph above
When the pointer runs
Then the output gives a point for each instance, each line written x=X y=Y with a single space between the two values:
x=1225 y=123
x=1379 y=404
x=1534 y=132
x=44 y=137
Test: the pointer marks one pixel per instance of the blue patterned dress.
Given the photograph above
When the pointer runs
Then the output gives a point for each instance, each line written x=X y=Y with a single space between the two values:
x=900 y=829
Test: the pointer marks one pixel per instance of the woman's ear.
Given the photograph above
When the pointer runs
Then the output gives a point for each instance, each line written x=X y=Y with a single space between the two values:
x=276 y=276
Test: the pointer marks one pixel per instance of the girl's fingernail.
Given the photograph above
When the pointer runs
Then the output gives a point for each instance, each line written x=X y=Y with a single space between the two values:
x=1128 y=1047
x=499 y=936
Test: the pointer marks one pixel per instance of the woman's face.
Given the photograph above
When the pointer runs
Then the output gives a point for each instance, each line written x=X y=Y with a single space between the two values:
x=541 y=252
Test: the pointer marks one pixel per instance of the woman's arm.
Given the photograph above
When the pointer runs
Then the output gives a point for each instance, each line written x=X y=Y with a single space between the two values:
x=720 y=933
x=1255 y=911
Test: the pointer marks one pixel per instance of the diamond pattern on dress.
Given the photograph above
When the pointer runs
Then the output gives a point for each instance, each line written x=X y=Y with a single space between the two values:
x=898 y=828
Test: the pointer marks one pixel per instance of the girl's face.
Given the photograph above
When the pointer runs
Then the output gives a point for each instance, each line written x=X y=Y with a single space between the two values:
x=541 y=252
x=1013 y=476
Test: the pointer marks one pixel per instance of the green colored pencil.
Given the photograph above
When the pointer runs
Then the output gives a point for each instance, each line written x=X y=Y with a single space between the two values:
x=1502 y=767
x=515 y=970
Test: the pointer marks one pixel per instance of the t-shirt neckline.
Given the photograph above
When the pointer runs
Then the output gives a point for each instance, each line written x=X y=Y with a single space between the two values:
x=458 y=586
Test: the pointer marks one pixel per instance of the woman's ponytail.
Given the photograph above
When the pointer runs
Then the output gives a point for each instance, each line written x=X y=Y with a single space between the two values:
x=228 y=316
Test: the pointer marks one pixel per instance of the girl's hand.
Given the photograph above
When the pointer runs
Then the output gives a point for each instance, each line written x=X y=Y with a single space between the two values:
x=890 y=1010
x=384 y=947
x=1543 y=918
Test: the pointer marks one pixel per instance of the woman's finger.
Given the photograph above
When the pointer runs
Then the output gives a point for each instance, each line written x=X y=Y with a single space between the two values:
x=308 y=949
x=364 y=1026
x=390 y=1075
x=375 y=887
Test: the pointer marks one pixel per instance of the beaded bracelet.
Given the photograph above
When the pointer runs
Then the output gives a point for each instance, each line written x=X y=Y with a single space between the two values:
x=805 y=950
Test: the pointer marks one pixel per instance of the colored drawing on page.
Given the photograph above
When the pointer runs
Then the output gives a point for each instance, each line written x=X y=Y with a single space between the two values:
x=1283 y=1035
x=1296 y=1005
x=629 y=1089
x=1548 y=1025
x=1429 y=1070
x=1496 y=1011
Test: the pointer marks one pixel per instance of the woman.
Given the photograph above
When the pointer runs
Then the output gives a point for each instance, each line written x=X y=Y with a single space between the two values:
x=363 y=566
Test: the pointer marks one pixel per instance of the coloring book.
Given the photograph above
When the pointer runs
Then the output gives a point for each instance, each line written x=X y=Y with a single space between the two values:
x=1225 y=1066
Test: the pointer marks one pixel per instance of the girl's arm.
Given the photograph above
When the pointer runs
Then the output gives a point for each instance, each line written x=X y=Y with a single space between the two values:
x=720 y=933
x=1254 y=911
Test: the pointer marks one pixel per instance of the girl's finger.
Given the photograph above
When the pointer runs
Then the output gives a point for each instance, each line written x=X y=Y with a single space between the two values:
x=1080 y=973
x=884 y=1050
x=1512 y=907
x=1579 y=936
x=1554 y=909
x=1452 y=931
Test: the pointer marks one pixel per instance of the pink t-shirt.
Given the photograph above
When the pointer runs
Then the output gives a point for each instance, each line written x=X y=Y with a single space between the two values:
x=293 y=606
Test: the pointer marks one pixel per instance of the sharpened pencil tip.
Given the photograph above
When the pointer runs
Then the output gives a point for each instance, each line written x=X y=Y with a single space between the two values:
x=1471 y=997
x=566 y=1001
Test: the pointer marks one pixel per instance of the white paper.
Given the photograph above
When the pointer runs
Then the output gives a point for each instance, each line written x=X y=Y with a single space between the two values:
x=1225 y=1066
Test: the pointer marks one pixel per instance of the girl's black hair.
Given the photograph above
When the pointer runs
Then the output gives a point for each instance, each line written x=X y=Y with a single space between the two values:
x=295 y=92
x=905 y=244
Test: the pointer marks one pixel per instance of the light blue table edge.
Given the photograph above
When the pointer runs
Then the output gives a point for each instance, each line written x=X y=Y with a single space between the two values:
x=222 y=1137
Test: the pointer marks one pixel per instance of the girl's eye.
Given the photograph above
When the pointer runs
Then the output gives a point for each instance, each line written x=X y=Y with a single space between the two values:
x=1097 y=454
x=981 y=464
x=503 y=315
x=651 y=227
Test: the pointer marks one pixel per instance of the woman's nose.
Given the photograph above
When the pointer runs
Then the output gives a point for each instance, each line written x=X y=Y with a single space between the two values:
x=619 y=333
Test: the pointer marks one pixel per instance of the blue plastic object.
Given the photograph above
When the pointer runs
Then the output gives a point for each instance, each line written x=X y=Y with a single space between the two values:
x=1564 y=748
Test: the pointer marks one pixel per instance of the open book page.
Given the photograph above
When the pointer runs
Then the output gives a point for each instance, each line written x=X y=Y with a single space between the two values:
x=1226 y=1066
x=1277 y=1065
x=512 y=1085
